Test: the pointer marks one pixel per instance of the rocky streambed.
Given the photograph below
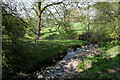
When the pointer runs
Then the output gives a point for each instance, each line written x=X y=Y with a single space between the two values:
x=67 y=66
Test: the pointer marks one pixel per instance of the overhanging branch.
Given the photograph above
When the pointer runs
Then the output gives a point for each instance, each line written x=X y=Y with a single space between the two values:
x=50 y=5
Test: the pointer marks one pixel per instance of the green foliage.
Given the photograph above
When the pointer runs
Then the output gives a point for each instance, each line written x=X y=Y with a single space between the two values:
x=66 y=36
x=12 y=28
x=30 y=29
x=76 y=28
x=104 y=26
x=85 y=36
x=104 y=30
x=100 y=68
x=79 y=27
x=13 y=32
x=27 y=54
x=66 y=32
x=114 y=49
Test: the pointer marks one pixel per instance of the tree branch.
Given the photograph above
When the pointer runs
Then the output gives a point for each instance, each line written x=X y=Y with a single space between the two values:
x=54 y=18
x=35 y=10
x=58 y=13
x=50 y=5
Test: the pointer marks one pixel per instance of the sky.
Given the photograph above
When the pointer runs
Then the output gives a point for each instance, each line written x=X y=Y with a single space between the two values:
x=29 y=5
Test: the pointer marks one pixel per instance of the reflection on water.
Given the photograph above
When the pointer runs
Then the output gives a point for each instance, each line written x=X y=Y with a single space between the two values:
x=69 y=55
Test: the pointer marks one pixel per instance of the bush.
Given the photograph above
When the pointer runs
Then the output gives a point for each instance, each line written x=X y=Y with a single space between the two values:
x=67 y=32
x=85 y=36
x=95 y=37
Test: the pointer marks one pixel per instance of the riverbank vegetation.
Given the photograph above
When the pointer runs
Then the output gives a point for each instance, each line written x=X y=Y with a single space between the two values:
x=105 y=65
x=30 y=38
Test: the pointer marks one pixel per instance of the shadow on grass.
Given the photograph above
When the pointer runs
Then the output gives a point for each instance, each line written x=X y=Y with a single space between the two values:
x=24 y=57
x=48 y=32
x=51 y=37
x=103 y=67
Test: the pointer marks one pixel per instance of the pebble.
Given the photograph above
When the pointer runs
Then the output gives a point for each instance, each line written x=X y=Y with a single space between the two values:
x=68 y=66
x=40 y=76
x=65 y=70
x=51 y=70
x=57 y=67
x=47 y=71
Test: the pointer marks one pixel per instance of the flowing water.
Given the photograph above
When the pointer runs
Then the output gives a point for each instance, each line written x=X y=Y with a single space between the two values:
x=66 y=67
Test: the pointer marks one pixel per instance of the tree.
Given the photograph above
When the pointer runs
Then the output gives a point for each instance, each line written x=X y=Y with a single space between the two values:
x=106 y=21
x=12 y=25
x=39 y=12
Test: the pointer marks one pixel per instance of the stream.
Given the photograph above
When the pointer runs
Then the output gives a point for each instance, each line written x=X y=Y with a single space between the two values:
x=67 y=66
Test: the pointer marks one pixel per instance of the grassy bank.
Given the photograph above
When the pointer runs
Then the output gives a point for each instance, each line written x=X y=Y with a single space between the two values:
x=24 y=56
x=104 y=65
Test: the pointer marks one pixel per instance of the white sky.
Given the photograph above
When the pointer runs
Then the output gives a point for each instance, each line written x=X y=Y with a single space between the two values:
x=29 y=5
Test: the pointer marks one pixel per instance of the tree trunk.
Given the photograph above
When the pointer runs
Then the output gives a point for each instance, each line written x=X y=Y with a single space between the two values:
x=38 y=27
x=39 y=11
x=119 y=21
x=65 y=19
x=88 y=26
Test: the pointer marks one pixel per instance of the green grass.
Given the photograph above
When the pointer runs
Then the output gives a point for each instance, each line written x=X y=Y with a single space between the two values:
x=32 y=53
x=28 y=54
x=79 y=27
x=48 y=32
x=103 y=65
x=113 y=51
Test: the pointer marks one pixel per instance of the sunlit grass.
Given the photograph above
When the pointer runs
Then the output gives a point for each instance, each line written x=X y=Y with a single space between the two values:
x=103 y=66
x=48 y=31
